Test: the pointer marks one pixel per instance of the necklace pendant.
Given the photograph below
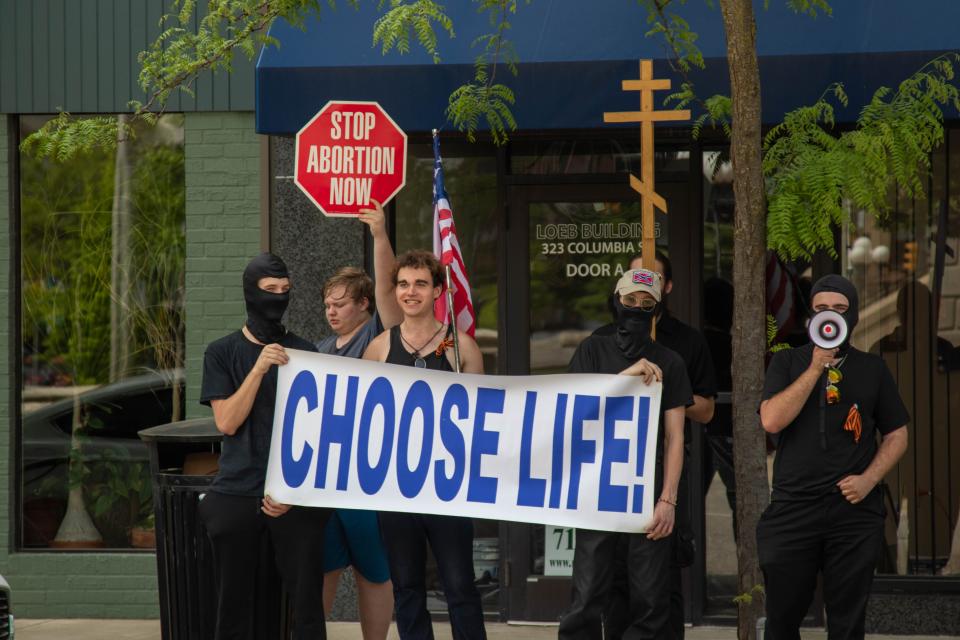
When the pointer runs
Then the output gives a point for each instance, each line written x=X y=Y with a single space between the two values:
x=420 y=363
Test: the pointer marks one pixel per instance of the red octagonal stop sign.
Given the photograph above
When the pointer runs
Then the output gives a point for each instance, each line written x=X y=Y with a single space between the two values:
x=349 y=153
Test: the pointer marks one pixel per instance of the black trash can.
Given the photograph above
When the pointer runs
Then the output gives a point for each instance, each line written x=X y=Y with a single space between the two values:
x=185 y=573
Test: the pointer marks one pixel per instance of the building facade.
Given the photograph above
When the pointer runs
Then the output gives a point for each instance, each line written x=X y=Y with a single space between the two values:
x=544 y=221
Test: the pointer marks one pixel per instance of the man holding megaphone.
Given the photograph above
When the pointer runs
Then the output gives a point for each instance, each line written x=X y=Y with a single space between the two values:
x=829 y=402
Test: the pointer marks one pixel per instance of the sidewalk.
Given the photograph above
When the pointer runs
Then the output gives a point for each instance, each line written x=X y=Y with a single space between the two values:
x=150 y=630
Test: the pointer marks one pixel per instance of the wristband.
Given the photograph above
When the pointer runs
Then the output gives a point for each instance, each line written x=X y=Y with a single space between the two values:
x=672 y=504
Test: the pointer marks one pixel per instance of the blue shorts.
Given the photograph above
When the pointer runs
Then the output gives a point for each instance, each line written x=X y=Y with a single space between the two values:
x=352 y=537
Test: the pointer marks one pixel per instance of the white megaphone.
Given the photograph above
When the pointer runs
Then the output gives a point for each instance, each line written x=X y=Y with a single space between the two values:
x=827 y=329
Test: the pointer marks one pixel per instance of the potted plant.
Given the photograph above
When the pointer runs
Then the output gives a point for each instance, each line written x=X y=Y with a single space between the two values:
x=144 y=534
x=121 y=497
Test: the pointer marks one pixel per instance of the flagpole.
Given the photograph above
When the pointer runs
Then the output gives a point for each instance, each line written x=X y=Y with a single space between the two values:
x=453 y=321
x=450 y=309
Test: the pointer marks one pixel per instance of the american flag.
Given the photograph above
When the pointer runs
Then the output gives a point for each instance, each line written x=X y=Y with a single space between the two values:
x=447 y=248
x=781 y=302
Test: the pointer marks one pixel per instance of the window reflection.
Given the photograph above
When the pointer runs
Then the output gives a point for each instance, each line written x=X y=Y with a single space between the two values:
x=578 y=250
x=907 y=273
x=103 y=251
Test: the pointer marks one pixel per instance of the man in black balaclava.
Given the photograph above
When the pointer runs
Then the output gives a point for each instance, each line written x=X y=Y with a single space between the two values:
x=826 y=514
x=240 y=385
x=630 y=351
x=265 y=307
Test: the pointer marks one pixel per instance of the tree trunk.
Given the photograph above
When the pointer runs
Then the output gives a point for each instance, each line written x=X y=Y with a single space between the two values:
x=749 y=337
x=120 y=259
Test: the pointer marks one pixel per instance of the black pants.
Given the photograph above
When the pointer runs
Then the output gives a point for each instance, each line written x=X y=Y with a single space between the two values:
x=648 y=578
x=616 y=611
x=796 y=540
x=718 y=457
x=405 y=536
x=236 y=528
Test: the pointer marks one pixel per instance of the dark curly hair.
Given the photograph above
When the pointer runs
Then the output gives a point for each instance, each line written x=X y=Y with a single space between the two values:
x=419 y=259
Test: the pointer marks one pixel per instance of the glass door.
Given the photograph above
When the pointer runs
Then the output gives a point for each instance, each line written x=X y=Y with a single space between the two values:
x=566 y=245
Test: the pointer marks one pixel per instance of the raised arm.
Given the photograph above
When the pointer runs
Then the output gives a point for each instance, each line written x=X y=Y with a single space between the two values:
x=383 y=261
x=230 y=413
x=780 y=410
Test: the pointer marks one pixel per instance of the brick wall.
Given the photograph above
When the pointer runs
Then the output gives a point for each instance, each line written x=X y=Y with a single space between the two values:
x=223 y=231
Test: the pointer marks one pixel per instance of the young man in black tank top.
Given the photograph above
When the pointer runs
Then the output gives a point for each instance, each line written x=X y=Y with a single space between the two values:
x=421 y=341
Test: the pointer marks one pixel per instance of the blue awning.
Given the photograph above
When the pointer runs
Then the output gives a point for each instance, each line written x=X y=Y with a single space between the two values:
x=574 y=55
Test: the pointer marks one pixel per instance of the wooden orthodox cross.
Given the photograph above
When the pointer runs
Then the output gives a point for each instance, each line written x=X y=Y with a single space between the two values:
x=644 y=185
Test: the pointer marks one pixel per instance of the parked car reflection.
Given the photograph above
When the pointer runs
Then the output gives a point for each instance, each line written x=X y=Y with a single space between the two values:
x=110 y=461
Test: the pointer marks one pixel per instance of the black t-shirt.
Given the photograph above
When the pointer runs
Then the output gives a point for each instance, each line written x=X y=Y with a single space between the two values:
x=721 y=352
x=243 y=456
x=808 y=465
x=600 y=354
x=689 y=344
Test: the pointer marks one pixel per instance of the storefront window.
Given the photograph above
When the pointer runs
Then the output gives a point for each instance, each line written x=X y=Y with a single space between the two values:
x=907 y=273
x=102 y=265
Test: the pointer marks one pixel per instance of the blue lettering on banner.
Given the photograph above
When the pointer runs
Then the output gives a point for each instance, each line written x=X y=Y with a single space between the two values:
x=557 y=450
x=380 y=394
x=581 y=451
x=419 y=399
x=483 y=488
x=336 y=429
x=643 y=423
x=556 y=467
x=295 y=471
x=613 y=497
x=531 y=491
x=448 y=486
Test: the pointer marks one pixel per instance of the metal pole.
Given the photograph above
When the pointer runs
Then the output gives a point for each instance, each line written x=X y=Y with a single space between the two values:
x=453 y=319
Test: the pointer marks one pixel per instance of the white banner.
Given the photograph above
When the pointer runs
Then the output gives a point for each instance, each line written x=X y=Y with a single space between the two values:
x=568 y=450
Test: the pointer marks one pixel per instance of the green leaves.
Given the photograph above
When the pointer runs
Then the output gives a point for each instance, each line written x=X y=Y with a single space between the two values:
x=680 y=40
x=394 y=28
x=199 y=37
x=772 y=330
x=64 y=137
x=474 y=102
x=484 y=100
x=747 y=598
x=809 y=7
x=684 y=56
x=193 y=40
x=814 y=176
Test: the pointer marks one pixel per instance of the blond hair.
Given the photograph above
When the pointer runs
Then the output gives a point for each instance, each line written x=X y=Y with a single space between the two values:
x=356 y=283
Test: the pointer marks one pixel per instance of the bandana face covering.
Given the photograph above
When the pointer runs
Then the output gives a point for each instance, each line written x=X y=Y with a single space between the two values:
x=633 y=328
x=265 y=309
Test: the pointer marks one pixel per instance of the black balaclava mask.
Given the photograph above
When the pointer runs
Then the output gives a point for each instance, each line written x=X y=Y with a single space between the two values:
x=633 y=328
x=265 y=309
x=839 y=284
